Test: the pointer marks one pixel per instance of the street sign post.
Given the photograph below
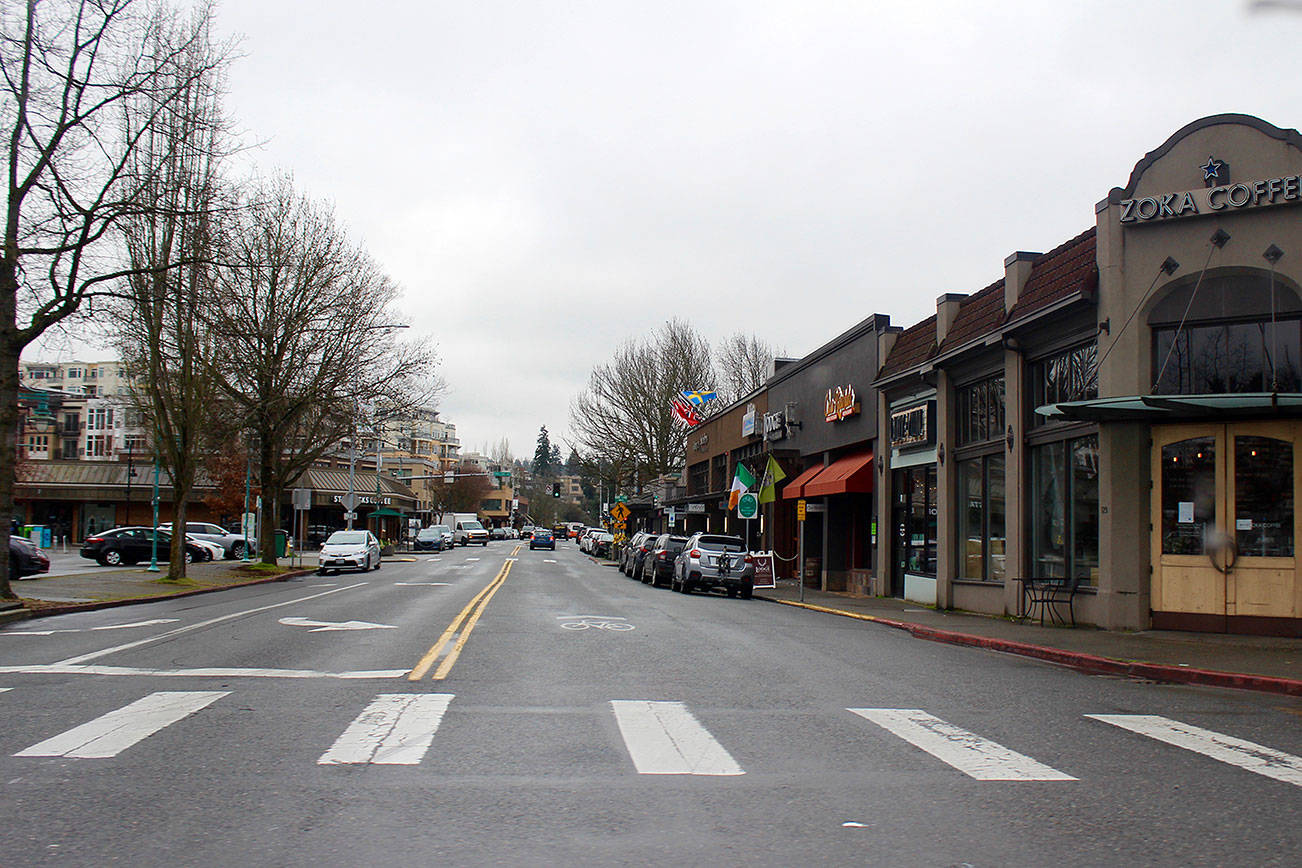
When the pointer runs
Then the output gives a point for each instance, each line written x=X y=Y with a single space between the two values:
x=800 y=555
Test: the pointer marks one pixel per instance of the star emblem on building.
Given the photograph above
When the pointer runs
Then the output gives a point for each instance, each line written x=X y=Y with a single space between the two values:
x=1212 y=169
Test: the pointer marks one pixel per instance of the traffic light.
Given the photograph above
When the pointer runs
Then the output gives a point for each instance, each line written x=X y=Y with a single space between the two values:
x=556 y=489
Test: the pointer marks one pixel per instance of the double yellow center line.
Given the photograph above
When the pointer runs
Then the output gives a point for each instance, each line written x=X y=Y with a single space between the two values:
x=468 y=616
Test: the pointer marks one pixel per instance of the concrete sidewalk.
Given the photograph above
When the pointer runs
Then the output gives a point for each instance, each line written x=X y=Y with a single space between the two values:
x=1264 y=663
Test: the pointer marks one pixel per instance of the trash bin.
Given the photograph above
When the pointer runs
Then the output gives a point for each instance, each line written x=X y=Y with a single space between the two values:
x=40 y=534
x=282 y=539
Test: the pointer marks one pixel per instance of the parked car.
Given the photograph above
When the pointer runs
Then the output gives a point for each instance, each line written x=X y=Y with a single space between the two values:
x=130 y=545
x=658 y=565
x=233 y=544
x=446 y=532
x=634 y=550
x=212 y=551
x=542 y=538
x=349 y=550
x=526 y=532
x=429 y=539
x=26 y=558
x=602 y=542
x=497 y=533
x=710 y=561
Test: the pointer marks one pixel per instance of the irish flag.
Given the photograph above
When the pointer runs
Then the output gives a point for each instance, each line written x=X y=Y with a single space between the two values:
x=741 y=483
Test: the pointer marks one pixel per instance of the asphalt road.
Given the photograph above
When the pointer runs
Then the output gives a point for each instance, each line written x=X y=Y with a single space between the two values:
x=563 y=713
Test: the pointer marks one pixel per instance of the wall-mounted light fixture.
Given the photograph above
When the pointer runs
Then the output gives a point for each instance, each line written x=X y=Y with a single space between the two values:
x=1219 y=237
x=1010 y=439
x=1273 y=254
x=940 y=454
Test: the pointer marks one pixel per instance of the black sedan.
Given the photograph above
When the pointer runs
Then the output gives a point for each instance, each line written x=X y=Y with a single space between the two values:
x=129 y=545
x=429 y=539
x=25 y=559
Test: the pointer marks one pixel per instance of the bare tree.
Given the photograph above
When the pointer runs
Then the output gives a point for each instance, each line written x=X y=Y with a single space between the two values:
x=170 y=248
x=624 y=420
x=304 y=341
x=743 y=362
x=69 y=68
x=501 y=453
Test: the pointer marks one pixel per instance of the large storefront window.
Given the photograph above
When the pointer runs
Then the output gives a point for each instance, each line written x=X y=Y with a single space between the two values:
x=1065 y=509
x=916 y=504
x=1068 y=376
x=1263 y=497
x=981 y=531
x=1217 y=358
x=981 y=411
x=1188 y=494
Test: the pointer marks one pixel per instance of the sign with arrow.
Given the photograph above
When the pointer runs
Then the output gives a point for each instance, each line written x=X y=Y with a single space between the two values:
x=324 y=626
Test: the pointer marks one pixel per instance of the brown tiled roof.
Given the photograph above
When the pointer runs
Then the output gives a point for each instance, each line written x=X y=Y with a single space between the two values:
x=914 y=346
x=979 y=315
x=1068 y=268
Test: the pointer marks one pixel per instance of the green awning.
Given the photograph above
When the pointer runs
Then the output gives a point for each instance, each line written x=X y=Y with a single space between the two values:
x=1177 y=408
x=385 y=512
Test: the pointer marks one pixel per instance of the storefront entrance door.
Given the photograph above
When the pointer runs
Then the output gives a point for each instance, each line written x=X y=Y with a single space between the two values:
x=1226 y=527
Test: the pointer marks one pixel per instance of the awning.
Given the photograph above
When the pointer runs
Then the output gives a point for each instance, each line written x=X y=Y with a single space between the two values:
x=385 y=512
x=852 y=474
x=1174 y=408
x=796 y=487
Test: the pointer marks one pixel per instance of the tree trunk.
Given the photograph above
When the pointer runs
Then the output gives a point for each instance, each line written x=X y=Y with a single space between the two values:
x=9 y=417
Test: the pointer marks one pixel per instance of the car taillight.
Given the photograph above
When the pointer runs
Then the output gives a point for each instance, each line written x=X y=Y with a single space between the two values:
x=695 y=553
x=91 y=539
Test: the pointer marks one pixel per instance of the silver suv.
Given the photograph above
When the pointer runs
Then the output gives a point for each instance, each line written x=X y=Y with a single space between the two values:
x=711 y=560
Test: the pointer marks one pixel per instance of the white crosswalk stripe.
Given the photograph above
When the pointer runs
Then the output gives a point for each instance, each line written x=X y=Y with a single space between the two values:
x=395 y=729
x=663 y=738
x=971 y=754
x=3 y=689
x=112 y=733
x=1225 y=748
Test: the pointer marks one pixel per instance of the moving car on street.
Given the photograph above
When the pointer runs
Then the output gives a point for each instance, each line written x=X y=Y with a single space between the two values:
x=542 y=539
x=349 y=550
x=429 y=539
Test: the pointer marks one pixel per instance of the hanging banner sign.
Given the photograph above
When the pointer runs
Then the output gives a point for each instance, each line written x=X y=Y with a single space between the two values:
x=841 y=403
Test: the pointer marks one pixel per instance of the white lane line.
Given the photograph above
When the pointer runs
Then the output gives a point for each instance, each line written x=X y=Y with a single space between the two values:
x=971 y=754
x=1224 y=748
x=548 y=561
x=471 y=560
x=663 y=738
x=424 y=584
x=179 y=630
x=89 y=629
x=62 y=669
x=395 y=729
x=112 y=733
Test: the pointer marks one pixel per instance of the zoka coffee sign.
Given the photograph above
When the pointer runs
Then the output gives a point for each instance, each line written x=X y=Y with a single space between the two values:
x=1216 y=198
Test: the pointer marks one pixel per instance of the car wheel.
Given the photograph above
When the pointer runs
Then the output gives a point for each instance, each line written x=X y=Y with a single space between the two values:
x=111 y=558
x=321 y=572
x=379 y=562
x=237 y=550
x=189 y=556
x=747 y=592
x=732 y=593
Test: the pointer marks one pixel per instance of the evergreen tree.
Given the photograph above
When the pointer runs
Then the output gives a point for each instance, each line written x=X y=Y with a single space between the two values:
x=542 y=456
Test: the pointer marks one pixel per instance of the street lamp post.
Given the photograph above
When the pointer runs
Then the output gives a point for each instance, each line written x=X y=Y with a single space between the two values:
x=153 y=558
x=244 y=520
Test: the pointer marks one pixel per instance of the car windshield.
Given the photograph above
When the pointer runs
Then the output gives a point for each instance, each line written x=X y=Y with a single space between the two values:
x=472 y=525
x=347 y=538
x=441 y=528
x=722 y=543
x=429 y=533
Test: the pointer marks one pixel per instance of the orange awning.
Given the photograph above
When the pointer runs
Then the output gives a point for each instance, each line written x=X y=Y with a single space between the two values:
x=796 y=487
x=852 y=474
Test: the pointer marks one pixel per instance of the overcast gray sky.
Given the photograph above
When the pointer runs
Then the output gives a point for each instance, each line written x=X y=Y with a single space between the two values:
x=549 y=179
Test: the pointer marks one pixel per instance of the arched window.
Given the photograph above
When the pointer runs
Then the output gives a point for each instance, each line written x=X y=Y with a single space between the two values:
x=1239 y=335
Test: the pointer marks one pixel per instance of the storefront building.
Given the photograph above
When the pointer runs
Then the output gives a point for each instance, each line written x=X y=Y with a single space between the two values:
x=1144 y=374
x=823 y=426
x=714 y=448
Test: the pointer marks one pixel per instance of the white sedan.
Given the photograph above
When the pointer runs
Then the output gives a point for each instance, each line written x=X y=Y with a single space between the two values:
x=349 y=550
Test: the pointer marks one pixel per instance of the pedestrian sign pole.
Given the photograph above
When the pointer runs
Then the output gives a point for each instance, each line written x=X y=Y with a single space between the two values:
x=800 y=557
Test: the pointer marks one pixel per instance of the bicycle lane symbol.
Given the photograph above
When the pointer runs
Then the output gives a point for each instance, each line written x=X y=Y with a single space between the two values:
x=594 y=622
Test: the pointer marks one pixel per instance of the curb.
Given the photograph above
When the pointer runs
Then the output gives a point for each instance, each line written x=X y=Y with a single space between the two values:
x=1089 y=663
x=111 y=604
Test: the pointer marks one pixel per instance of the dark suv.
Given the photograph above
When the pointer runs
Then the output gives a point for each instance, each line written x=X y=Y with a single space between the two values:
x=657 y=566
x=709 y=561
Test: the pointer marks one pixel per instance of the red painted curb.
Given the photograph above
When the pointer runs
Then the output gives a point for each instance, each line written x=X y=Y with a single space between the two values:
x=1091 y=663
x=110 y=604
